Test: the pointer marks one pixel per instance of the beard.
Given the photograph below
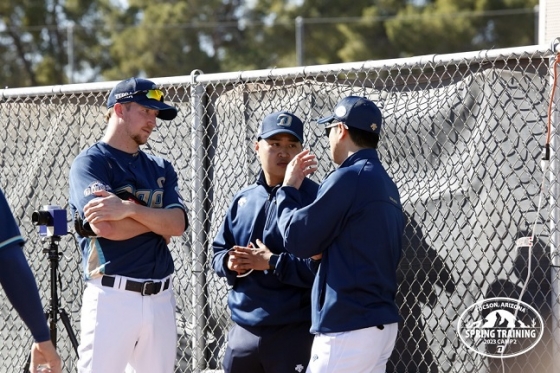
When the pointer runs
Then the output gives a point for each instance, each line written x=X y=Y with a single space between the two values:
x=139 y=135
x=139 y=140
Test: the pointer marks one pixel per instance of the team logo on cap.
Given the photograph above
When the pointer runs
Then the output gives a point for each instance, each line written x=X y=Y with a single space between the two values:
x=340 y=111
x=284 y=120
x=119 y=96
x=373 y=127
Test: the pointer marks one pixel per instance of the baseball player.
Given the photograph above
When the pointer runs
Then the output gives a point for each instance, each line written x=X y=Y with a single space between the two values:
x=270 y=288
x=21 y=289
x=357 y=224
x=127 y=206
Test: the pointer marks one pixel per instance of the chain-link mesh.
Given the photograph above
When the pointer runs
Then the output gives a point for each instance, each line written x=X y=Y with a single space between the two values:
x=463 y=138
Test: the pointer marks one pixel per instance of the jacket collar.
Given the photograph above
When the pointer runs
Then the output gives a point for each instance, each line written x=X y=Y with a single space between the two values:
x=368 y=153
x=261 y=180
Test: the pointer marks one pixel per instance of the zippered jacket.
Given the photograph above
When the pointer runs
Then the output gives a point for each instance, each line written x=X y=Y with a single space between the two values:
x=357 y=223
x=264 y=298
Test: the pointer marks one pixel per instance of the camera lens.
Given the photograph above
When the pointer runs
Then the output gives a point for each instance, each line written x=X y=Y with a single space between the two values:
x=41 y=217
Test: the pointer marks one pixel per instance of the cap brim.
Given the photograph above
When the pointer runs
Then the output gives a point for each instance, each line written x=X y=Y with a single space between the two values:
x=166 y=112
x=324 y=120
x=275 y=132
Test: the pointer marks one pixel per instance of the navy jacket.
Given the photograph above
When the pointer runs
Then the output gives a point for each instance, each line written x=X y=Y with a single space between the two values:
x=357 y=223
x=264 y=298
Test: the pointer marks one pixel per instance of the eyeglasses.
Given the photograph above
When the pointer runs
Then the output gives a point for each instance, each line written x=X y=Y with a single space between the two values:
x=153 y=94
x=328 y=128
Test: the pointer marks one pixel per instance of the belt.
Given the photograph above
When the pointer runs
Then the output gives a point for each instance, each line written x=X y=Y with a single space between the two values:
x=144 y=288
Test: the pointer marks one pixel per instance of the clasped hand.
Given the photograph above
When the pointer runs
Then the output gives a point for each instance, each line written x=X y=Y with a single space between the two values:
x=244 y=258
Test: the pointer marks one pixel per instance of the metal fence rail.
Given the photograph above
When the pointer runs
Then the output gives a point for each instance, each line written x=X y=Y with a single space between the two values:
x=463 y=138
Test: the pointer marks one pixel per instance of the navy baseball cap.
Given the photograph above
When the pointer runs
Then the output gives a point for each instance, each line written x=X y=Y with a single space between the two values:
x=281 y=122
x=357 y=112
x=143 y=92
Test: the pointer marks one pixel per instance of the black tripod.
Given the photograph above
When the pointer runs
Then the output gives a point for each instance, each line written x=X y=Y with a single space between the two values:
x=54 y=310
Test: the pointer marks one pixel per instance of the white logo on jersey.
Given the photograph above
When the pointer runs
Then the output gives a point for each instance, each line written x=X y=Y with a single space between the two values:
x=242 y=201
x=96 y=186
x=160 y=181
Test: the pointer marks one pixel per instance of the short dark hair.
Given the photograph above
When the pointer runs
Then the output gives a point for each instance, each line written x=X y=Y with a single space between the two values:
x=363 y=139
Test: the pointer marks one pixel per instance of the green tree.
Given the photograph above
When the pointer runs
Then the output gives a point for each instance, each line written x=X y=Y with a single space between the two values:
x=323 y=25
x=34 y=40
x=337 y=31
x=448 y=26
x=40 y=40
x=169 y=38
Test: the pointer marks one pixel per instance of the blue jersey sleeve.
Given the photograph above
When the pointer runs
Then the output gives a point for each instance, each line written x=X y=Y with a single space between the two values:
x=16 y=277
x=9 y=233
x=89 y=173
x=21 y=289
x=172 y=195
x=291 y=269
x=308 y=230
x=296 y=271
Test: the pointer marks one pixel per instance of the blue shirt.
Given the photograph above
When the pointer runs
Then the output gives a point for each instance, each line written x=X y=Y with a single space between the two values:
x=357 y=222
x=152 y=180
x=264 y=298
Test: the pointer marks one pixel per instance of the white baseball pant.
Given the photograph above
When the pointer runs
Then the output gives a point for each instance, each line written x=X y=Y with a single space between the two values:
x=357 y=351
x=122 y=330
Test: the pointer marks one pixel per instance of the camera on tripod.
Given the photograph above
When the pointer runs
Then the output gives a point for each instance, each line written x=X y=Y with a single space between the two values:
x=51 y=220
x=52 y=223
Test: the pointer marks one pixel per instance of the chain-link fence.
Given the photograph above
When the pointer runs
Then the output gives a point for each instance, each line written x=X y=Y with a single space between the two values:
x=463 y=138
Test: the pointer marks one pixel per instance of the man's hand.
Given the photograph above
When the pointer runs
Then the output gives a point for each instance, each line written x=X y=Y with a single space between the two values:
x=107 y=207
x=299 y=167
x=242 y=259
x=317 y=257
x=236 y=262
x=43 y=355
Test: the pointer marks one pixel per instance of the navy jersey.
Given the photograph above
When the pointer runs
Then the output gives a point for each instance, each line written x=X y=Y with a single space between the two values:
x=152 y=180
x=264 y=298
x=357 y=222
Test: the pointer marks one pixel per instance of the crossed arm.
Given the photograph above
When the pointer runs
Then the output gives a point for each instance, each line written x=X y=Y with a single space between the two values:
x=116 y=219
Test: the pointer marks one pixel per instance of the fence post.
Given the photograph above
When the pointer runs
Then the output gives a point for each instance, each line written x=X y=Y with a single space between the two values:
x=197 y=223
x=555 y=212
x=299 y=41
